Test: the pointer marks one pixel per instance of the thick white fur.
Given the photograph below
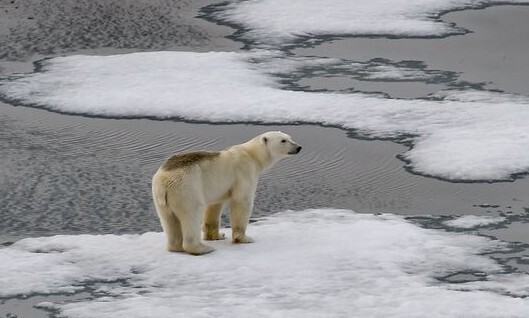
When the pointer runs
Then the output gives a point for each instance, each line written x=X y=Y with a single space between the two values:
x=192 y=196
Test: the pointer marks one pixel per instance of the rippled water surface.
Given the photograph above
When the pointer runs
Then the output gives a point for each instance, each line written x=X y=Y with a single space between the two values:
x=71 y=174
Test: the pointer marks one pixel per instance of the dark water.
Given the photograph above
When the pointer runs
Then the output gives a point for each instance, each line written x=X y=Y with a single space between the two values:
x=30 y=28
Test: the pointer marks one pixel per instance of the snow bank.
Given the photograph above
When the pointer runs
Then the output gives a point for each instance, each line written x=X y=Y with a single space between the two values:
x=277 y=21
x=462 y=136
x=312 y=263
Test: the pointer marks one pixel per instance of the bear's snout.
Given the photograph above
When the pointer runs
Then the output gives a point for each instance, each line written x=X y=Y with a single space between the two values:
x=295 y=150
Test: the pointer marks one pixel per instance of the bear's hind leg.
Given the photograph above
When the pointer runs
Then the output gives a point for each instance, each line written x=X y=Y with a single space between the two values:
x=191 y=222
x=174 y=235
x=172 y=229
x=212 y=222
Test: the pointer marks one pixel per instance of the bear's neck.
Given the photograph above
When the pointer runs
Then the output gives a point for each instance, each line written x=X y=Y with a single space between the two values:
x=261 y=156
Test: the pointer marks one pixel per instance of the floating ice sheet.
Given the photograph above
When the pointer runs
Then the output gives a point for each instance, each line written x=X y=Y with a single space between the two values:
x=309 y=263
x=277 y=21
x=460 y=136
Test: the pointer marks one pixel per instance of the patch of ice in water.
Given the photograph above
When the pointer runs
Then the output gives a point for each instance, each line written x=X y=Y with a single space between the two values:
x=461 y=136
x=389 y=72
x=310 y=263
x=277 y=21
x=473 y=221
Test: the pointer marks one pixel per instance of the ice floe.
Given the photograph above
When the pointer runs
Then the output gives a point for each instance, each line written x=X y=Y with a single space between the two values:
x=277 y=21
x=458 y=135
x=313 y=263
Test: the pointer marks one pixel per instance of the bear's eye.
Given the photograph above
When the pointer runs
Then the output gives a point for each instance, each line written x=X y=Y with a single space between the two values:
x=283 y=141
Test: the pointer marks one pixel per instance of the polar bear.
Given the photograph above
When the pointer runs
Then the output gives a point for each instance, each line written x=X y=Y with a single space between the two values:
x=190 y=189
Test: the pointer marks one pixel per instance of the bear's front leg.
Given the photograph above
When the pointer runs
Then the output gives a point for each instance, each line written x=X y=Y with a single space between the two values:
x=241 y=209
x=212 y=222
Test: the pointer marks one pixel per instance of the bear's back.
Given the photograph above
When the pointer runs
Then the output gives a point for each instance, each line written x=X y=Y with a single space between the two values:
x=188 y=159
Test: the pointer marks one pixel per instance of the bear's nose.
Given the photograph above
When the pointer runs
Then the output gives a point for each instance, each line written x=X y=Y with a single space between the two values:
x=298 y=149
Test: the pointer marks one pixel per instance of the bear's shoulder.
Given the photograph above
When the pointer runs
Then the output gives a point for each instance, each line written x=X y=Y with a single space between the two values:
x=186 y=159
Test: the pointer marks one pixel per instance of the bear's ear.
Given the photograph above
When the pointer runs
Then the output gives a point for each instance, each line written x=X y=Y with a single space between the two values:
x=265 y=140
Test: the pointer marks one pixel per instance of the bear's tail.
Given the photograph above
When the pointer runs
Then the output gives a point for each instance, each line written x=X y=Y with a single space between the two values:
x=159 y=194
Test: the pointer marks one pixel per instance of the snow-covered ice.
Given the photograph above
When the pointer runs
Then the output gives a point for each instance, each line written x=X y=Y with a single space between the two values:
x=277 y=21
x=473 y=221
x=313 y=263
x=469 y=135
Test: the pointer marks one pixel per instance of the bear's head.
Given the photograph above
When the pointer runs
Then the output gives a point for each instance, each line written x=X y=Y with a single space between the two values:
x=279 y=144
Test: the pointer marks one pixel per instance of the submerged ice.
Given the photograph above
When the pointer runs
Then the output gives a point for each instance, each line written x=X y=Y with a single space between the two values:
x=458 y=135
x=310 y=263
x=474 y=221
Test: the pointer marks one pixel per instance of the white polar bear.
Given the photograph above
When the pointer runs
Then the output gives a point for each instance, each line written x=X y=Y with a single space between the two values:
x=192 y=187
